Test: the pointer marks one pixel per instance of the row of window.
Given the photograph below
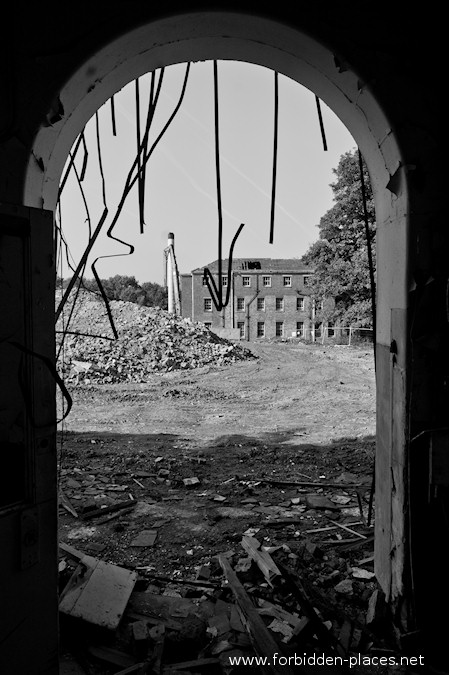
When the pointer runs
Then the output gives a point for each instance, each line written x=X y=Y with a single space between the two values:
x=266 y=280
x=260 y=304
x=279 y=329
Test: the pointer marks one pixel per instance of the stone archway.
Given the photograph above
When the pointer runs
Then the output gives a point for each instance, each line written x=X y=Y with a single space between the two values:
x=244 y=37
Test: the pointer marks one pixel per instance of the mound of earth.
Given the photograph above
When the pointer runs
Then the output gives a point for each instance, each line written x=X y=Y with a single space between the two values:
x=149 y=340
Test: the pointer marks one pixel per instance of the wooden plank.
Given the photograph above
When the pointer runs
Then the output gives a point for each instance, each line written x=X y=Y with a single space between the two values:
x=261 y=638
x=263 y=559
x=96 y=513
x=66 y=503
x=348 y=529
x=268 y=609
x=99 y=593
x=137 y=668
x=302 y=483
x=112 y=656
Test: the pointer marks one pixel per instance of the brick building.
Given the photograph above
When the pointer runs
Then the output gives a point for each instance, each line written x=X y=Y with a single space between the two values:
x=269 y=297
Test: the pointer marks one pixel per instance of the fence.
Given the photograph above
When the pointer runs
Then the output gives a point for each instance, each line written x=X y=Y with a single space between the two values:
x=340 y=335
x=345 y=335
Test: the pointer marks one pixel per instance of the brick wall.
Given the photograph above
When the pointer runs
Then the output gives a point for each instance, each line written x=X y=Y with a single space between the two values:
x=263 y=286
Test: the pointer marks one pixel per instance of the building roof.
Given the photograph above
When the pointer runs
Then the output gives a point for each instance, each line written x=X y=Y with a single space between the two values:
x=259 y=265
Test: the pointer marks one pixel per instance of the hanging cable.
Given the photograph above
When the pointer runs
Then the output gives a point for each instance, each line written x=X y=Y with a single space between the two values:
x=131 y=180
x=140 y=179
x=70 y=164
x=100 y=160
x=217 y=294
x=85 y=157
x=320 y=119
x=114 y=127
x=275 y=153
x=132 y=177
x=152 y=100
x=88 y=219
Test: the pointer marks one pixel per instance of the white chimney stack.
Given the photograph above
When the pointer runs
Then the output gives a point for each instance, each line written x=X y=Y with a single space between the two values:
x=170 y=272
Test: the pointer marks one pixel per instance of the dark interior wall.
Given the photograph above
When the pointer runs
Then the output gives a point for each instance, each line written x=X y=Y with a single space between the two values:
x=398 y=56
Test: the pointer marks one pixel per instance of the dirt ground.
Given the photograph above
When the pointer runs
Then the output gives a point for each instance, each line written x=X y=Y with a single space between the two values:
x=298 y=414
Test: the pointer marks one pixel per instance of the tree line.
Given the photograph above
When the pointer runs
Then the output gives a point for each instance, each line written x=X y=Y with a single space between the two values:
x=120 y=287
x=340 y=256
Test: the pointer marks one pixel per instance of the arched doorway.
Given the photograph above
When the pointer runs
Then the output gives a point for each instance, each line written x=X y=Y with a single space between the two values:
x=220 y=35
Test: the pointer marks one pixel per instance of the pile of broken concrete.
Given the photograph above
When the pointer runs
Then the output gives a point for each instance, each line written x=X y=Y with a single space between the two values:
x=149 y=340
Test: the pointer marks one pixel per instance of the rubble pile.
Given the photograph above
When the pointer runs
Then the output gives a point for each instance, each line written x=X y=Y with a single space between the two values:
x=149 y=340
x=212 y=564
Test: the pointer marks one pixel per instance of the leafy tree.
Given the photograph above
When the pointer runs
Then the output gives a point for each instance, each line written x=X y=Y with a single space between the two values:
x=155 y=295
x=126 y=288
x=340 y=256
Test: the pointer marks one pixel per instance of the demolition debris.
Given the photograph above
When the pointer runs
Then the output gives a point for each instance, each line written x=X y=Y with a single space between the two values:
x=149 y=340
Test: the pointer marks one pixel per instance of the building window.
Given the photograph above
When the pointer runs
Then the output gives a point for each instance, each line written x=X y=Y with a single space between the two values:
x=240 y=304
x=208 y=324
x=279 y=328
x=299 y=328
x=224 y=280
x=280 y=304
x=318 y=329
x=300 y=304
x=330 y=331
x=261 y=304
x=287 y=281
x=260 y=329
x=266 y=281
x=246 y=281
x=207 y=304
x=241 y=327
x=204 y=281
x=306 y=280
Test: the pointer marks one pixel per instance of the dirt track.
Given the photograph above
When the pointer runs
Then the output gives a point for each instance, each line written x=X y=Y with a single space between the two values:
x=297 y=412
x=310 y=393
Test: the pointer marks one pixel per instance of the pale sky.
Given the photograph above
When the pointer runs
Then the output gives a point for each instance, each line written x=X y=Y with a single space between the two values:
x=181 y=192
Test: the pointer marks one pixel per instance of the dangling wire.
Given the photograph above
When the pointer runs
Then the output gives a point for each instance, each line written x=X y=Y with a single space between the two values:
x=73 y=154
x=217 y=293
x=140 y=180
x=320 y=119
x=114 y=127
x=275 y=153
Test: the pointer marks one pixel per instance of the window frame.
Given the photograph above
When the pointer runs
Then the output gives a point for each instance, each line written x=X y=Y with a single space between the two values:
x=266 y=277
x=260 y=329
x=285 y=283
x=260 y=304
x=281 y=324
x=240 y=309
x=281 y=308
x=241 y=327
x=246 y=278
x=300 y=303
x=207 y=300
